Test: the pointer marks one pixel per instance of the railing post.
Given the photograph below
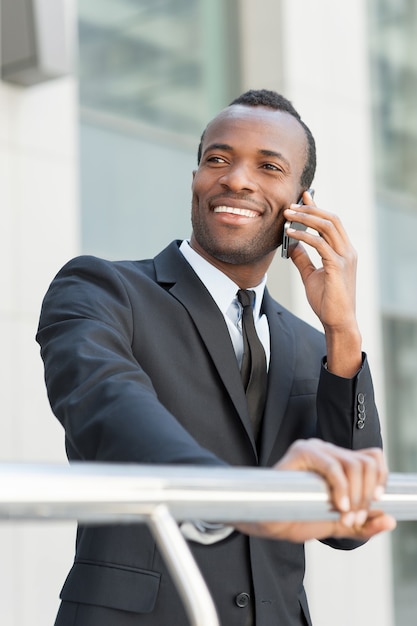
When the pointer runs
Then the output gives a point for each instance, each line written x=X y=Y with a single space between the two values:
x=183 y=568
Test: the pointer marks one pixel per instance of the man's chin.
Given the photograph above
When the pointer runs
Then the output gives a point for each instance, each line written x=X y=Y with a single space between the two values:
x=234 y=250
x=242 y=256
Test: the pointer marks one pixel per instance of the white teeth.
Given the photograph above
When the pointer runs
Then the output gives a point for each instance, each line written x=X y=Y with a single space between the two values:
x=235 y=211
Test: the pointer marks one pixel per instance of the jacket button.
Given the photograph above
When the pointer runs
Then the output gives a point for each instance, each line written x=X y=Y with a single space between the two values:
x=242 y=600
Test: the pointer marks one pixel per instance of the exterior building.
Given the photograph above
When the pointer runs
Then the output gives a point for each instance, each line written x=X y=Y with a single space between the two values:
x=100 y=161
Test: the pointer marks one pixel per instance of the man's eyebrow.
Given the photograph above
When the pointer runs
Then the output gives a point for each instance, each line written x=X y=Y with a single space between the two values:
x=277 y=155
x=218 y=146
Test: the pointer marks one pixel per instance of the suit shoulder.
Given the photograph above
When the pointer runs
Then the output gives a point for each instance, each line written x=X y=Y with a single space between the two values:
x=89 y=279
x=89 y=287
x=89 y=267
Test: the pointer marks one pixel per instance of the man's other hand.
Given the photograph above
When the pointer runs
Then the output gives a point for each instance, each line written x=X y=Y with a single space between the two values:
x=355 y=478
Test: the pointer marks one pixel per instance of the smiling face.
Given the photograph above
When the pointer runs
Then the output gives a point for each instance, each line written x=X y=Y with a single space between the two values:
x=251 y=164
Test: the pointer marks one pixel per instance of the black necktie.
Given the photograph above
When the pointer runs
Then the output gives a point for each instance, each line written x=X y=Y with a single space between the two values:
x=253 y=370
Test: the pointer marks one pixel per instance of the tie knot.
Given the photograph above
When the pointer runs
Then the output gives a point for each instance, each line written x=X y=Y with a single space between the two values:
x=246 y=297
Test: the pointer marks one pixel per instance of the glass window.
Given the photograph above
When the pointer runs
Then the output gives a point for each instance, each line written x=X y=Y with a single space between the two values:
x=168 y=63
x=393 y=27
x=400 y=351
x=393 y=49
x=151 y=75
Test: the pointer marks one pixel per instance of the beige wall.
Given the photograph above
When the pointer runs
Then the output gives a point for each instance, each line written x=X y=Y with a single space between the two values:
x=39 y=232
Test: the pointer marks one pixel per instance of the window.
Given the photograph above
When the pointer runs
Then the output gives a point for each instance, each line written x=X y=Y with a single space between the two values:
x=166 y=63
x=151 y=75
x=400 y=357
x=393 y=25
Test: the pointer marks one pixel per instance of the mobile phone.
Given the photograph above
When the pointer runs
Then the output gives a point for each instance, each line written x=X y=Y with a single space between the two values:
x=289 y=243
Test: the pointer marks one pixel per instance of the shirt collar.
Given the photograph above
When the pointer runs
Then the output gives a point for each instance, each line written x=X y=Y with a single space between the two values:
x=221 y=288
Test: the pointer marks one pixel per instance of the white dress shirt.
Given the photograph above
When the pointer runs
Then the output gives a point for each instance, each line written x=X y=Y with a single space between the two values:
x=223 y=291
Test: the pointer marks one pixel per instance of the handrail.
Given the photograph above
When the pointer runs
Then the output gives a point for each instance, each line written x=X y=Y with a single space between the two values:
x=95 y=493
x=99 y=492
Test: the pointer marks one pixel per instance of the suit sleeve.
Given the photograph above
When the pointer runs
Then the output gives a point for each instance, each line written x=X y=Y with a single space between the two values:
x=346 y=410
x=96 y=387
x=348 y=417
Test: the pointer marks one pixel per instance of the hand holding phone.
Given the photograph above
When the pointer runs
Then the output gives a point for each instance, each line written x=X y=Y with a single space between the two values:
x=289 y=243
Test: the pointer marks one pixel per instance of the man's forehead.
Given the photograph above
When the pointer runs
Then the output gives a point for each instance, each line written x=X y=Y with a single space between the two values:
x=259 y=120
x=258 y=129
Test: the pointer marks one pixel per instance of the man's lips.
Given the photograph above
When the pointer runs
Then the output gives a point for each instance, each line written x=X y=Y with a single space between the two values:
x=231 y=210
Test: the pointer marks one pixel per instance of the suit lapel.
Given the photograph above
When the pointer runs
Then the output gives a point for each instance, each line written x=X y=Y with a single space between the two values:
x=183 y=283
x=280 y=376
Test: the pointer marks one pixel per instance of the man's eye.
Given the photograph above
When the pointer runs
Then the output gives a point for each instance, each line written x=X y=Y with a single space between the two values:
x=215 y=159
x=272 y=167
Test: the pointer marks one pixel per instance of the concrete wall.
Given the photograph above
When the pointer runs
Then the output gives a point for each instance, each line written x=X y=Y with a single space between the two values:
x=39 y=232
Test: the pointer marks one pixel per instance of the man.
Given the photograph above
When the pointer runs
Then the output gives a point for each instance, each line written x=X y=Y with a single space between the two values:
x=143 y=360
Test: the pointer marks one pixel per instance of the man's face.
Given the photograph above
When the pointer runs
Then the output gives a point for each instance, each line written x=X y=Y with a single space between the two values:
x=250 y=169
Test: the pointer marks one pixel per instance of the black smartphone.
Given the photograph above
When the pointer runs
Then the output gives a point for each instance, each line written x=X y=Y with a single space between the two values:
x=289 y=243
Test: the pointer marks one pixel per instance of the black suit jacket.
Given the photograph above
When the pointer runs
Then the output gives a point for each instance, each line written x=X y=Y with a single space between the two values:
x=140 y=368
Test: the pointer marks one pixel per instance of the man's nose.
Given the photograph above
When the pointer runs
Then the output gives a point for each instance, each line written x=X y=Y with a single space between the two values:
x=238 y=177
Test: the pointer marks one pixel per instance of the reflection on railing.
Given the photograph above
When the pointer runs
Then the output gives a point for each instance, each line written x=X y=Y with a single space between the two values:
x=161 y=495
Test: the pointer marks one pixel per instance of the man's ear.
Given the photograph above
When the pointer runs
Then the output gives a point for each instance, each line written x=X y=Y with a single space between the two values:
x=194 y=173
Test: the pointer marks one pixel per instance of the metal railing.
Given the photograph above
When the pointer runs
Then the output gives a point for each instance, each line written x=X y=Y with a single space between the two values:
x=94 y=493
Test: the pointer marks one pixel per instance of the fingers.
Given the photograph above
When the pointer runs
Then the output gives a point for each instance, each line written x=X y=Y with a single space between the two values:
x=299 y=532
x=331 y=235
x=376 y=522
x=318 y=456
x=330 y=287
x=366 y=474
x=354 y=478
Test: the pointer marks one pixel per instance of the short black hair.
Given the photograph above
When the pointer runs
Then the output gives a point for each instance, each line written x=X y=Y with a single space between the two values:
x=274 y=100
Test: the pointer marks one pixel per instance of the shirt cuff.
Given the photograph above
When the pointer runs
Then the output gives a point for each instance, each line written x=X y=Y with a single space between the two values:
x=205 y=533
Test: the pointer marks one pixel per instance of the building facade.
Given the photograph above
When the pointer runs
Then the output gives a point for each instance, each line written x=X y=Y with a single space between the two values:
x=100 y=162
